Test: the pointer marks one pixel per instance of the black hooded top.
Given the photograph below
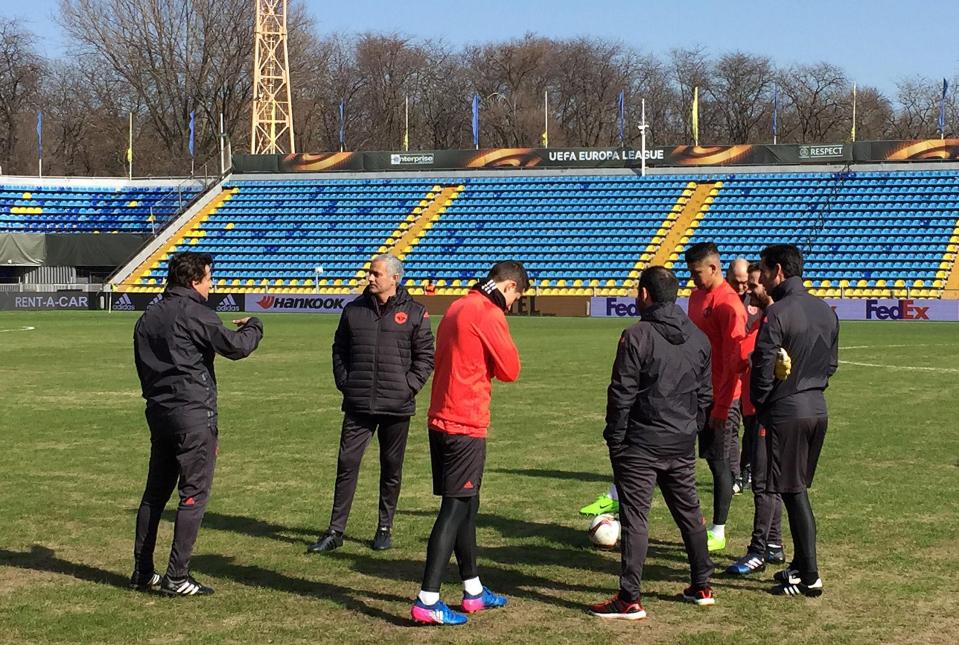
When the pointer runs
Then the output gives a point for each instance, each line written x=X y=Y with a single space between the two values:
x=661 y=388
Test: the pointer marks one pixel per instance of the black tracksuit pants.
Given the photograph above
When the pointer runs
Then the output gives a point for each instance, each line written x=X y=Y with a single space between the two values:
x=636 y=472
x=357 y=431
x=177 y=459
x=767 y=516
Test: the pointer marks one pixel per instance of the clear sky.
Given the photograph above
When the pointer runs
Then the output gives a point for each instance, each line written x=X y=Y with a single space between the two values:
x=877 y=42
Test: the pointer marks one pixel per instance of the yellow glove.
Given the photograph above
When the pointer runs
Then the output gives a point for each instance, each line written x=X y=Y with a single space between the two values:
x=784 y=364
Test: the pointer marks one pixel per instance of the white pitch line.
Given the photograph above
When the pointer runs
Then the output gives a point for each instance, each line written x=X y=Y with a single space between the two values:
x=842 y=347
x=912 y=368
x=25 y=328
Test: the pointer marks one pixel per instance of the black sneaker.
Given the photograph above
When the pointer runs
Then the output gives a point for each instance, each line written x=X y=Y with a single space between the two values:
x=775 y=554
x=184 y=587
x=145 y=581
x=737 y=486
x=787 y=576
x=746 y=478
x=749 y=563
x=382 y=540
x=813 y=590
x=327 y=542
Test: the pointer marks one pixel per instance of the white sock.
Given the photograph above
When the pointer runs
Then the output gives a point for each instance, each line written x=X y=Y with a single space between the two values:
x=473 y=586
x=718 y=531
x=429 y=598
x=613 y=493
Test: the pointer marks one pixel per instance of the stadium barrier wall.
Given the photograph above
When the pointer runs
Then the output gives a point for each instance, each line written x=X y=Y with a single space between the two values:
x=874 y=309
x=333 y=304
x=568 y=306
x=673 y=156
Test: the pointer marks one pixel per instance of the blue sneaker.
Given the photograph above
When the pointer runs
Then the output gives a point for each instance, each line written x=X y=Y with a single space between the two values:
x=438 y=614
x=749 y=563
x=485 y=600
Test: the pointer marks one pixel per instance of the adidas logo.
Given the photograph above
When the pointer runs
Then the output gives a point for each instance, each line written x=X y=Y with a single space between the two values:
x=228 y=304
x=124 y=303
x=157 y=298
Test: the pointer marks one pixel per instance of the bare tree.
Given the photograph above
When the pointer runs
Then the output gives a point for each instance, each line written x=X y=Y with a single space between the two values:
x=21 y=69
x=741 y=92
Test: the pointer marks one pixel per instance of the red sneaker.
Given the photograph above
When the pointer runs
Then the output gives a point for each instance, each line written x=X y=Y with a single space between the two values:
x=702 y=596
x=616 y=608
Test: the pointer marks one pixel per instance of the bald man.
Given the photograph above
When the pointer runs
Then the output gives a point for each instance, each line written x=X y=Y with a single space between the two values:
x=737 y=276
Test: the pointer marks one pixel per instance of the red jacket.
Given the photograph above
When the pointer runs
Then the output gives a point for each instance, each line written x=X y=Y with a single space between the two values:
x=722 y=317
x=754 y=317
x=473 y=345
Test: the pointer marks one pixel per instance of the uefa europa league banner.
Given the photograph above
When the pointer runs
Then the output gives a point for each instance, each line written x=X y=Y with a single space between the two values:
x=672 y=156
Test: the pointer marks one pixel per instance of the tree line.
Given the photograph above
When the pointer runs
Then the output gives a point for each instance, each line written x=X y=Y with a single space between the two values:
x=163 y=59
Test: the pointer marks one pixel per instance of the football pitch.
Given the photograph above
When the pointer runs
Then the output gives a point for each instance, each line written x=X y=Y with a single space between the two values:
x=75 y=448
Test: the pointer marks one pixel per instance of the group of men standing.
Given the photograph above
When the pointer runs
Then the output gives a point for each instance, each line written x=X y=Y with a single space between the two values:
x=679 y=378
x=675 y=378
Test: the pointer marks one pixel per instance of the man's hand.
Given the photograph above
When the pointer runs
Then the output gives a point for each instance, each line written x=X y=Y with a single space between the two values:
x=716 y=424
x=241 y=321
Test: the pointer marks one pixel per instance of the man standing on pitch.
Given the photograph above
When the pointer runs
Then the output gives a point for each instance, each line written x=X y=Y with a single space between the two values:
x=716 y=308
x=796 y=352
x=174 y=344
x=382 y=357
x=737 y=275
x=766 y=544
x=658 y=398
x=473 y=345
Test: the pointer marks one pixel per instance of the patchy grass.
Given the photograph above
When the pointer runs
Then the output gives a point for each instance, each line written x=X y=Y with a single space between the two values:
x=74 y=459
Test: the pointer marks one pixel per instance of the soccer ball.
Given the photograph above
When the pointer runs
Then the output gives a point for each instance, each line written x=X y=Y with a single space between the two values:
x=604 y=531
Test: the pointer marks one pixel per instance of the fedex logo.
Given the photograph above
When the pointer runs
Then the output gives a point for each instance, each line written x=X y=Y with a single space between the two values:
x=906 y=310
x=615 y=308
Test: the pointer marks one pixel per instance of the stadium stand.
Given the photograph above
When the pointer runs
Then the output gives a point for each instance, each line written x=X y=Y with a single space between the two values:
x=865 y=234
x=69 y=207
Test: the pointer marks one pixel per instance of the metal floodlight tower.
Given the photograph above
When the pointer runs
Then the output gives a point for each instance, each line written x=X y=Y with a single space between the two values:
x=272 y=105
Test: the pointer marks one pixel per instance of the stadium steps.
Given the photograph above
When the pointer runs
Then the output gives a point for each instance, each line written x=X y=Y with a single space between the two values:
x=409 y=232
x=187 y=227
x=681 y=228
x=950 y=290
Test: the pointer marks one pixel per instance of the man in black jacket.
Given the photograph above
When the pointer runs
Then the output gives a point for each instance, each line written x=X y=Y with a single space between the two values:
x=382 y=357
x=658 y=399
x=174 y=344
x=796 y=352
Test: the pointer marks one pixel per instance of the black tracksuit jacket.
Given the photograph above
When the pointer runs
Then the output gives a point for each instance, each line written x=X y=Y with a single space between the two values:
x=174 y=344
x=661 y=388
x=382 y=354
x=808 y=329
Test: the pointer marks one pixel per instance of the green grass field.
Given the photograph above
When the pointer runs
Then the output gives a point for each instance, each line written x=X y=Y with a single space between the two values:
x=74 y=456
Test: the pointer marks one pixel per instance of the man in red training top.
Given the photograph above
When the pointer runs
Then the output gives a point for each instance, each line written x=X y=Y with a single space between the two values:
x=716 y=308
x=473 y=345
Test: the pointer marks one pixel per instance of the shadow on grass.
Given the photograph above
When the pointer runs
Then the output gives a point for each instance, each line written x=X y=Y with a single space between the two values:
x=41 y=558
x=600 y=478
x=220 y=566
x=256 y=528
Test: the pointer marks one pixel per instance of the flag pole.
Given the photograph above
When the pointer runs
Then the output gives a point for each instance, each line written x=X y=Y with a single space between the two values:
x=853 y=132
x=130 y=149
x=546 y=118
x=642 y=139
x=222 y=147
x=406 y=131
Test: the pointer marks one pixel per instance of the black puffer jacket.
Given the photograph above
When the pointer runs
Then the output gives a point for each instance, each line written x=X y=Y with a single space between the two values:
x=661 y=386
x=382 y=354
x=174 y=343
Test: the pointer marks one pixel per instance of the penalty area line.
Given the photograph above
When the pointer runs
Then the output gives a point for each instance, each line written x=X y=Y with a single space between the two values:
x=24 y=328
x=911 y=368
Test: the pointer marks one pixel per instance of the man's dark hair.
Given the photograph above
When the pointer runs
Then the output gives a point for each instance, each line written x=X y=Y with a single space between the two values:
x=186 y=268
x=753 y=267
x=660 y=282
x=785 y=255
x=699 y=252
x=510 y=270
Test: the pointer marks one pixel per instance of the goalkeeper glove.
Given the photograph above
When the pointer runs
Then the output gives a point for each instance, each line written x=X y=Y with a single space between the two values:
x=784 y=364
